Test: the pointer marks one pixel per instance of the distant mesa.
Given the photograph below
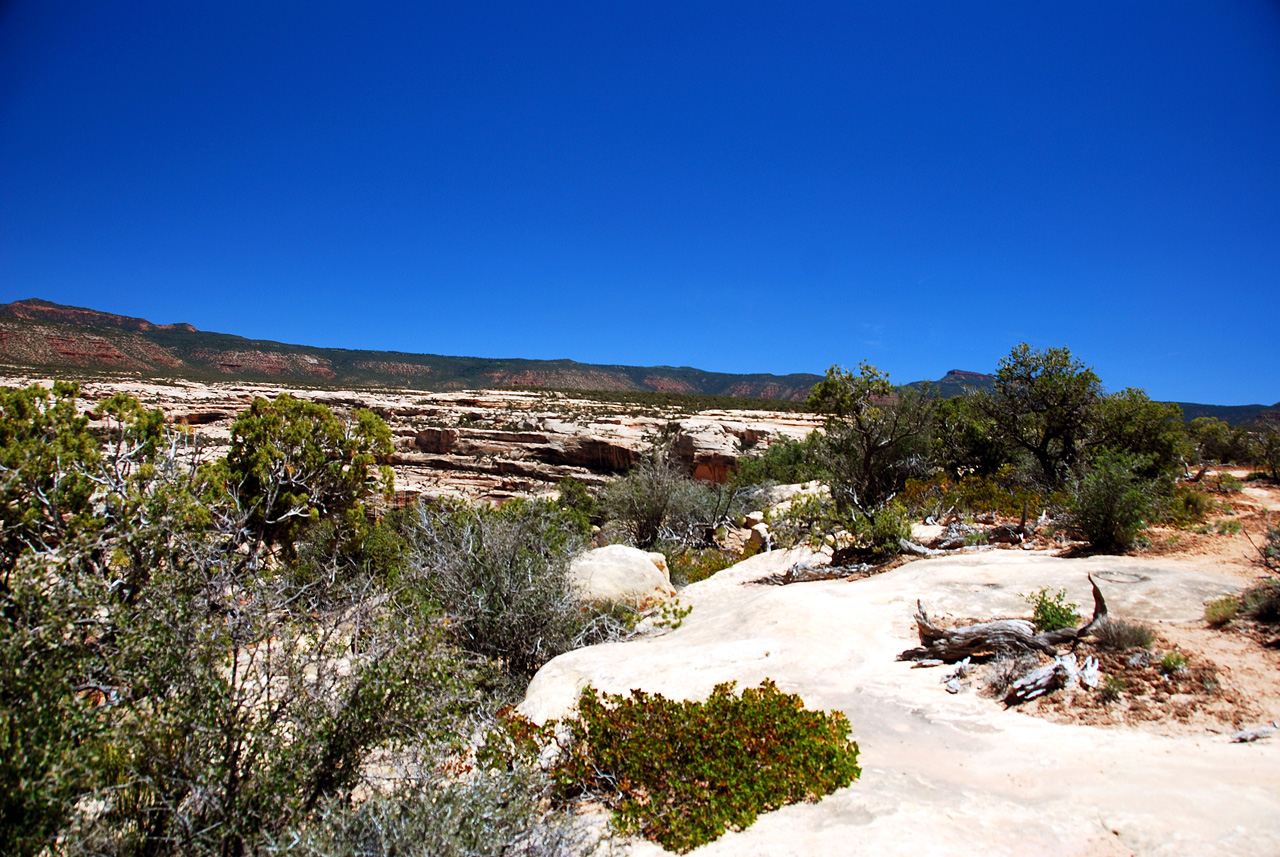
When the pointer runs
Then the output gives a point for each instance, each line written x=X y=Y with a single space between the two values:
x=961 y=376
x=955 y=383
x=37 y=310
x=42 y=336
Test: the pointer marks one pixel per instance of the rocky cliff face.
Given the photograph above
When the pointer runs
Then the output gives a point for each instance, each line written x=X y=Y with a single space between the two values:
x=488 y=446
x=38 y=310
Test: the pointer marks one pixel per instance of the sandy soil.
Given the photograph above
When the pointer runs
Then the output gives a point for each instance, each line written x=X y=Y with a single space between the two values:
x=1232 y=678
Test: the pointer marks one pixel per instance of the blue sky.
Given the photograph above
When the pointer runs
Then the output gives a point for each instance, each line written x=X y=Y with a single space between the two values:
x=746 y=187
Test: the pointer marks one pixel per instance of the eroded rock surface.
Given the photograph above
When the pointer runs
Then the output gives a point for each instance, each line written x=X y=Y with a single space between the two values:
x=488 y=445
x=948 y=774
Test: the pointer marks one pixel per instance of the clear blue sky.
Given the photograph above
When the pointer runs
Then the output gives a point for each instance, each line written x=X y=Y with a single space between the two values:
x=734 y=186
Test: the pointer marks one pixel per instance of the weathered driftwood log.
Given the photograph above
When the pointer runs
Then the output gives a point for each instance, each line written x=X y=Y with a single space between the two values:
x=1245 y=736
x=916 y=549
x=1001 y=635
x=1048 y=678
x=1063 y=672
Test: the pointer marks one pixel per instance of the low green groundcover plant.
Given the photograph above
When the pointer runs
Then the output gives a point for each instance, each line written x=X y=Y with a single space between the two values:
x=1051 y=610
x=682 y=773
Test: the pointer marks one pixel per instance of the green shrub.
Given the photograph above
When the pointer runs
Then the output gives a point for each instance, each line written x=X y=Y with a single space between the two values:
x=1185 y=506
x=880 y=535
x=656 y=501
x=1050 y=610
x=502 y=577
x=1173 y=662
x=1262 y=601
x=671 y=614
x=682 y=773
x=814 y=519
x=1112 y=503
x=1270 y=550
x=1112 y=687
x=785 y=462
x=1229 y=483
x=292 y=462
x=1120 y=636
x=808 y=519
x=1221 y=610
x=48 y=457
x=691 y=566
x=575 y=496
x=1229 y=528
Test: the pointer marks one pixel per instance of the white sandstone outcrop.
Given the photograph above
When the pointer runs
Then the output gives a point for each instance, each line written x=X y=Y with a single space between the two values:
x=947 y=774
x=621 y=574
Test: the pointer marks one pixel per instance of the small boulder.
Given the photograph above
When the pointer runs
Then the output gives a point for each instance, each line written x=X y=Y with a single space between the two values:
x=780 y=497
x=759 y=537
x=621 y=574
x=953 y=537
x=1005 y=534
x=751 y=519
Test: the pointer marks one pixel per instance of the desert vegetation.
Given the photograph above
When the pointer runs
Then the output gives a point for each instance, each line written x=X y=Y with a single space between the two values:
x=249 y=654
x=252 y=652
x=207 y=656
x=1045 y=445
x=682 y=773
x=1043 y=453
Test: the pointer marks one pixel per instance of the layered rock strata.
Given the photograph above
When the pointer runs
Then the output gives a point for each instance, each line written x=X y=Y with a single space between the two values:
x=488 y=445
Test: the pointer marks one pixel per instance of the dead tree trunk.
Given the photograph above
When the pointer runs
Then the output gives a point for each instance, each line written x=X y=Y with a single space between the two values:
x=1001 y=635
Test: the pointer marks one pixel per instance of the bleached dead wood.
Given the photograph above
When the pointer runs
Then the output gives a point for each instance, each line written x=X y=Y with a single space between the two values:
x=916 y=549
x=1048 y=678
x=1246 y=736
x=1000 y=635
x=1089 y=675
x=954 y=679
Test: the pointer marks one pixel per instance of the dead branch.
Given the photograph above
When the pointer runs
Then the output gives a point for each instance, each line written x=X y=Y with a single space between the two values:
x=1001 y=635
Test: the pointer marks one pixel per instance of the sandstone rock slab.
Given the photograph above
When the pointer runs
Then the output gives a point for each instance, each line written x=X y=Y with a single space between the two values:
x=621 y=574
x=946 y=774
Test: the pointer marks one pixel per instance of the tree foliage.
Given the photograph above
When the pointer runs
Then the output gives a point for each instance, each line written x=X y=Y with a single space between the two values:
x=1130 y=422
x=786 y=462
x=875 y=440
x=168 y=686
x=293 y=462
x=1042 y=402
x=46 y=458
x=1267 y=452
x=967 y=442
